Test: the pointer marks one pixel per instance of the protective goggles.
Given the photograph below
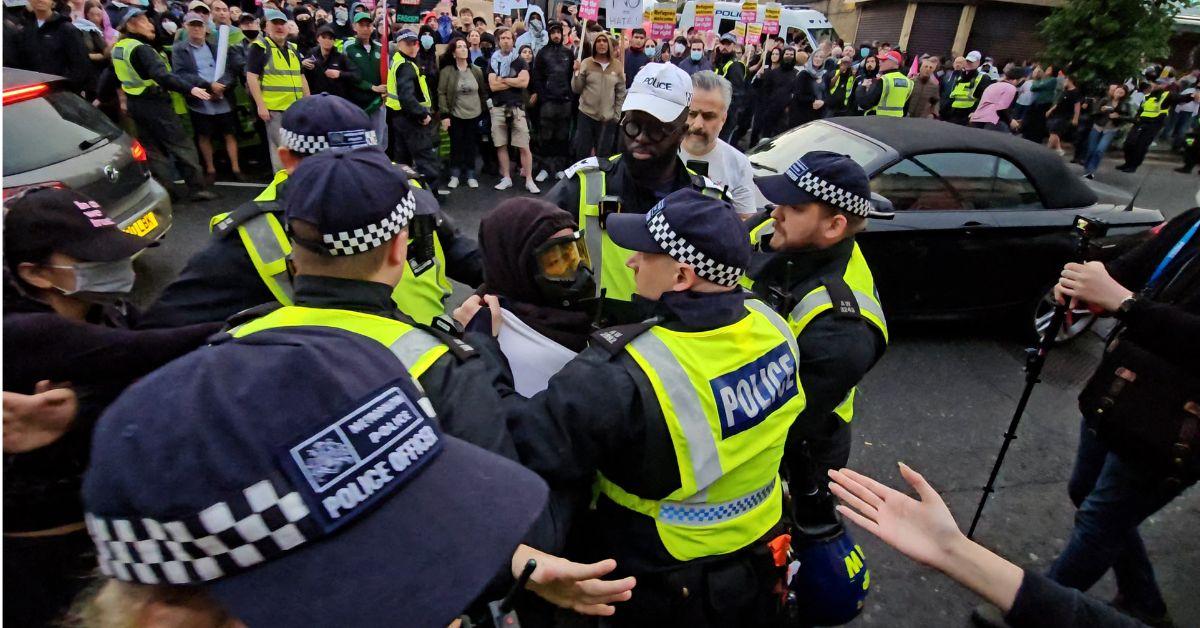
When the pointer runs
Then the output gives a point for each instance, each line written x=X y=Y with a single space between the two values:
x=560 y=258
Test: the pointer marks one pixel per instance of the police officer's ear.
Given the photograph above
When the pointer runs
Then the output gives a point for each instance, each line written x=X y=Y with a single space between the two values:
x=685 y=277
x=288 y=159
x=397 y=255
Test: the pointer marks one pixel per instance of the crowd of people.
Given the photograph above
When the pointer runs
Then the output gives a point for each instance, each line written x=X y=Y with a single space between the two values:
x=300 y=431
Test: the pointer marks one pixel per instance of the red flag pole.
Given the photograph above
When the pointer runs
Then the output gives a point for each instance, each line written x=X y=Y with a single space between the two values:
x=384 y=36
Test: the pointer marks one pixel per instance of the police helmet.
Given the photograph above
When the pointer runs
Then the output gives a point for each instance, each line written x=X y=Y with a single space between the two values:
x=827 y=580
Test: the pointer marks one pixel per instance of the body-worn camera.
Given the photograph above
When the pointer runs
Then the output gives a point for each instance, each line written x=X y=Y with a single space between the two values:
x=608 y=205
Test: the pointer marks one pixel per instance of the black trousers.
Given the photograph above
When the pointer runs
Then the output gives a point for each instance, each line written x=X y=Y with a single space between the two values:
x=1138 y=142
x=731 y=121
x=554 y=133
x=167 y=146
x=464 y=146
x=414 y=146
x=1191 y=151
x=593 y=135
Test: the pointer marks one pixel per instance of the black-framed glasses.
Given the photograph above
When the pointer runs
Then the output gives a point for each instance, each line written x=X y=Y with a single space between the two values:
x=654 y=131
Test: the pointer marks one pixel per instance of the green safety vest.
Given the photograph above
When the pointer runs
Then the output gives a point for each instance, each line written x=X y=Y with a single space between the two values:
x=837 y=81
x=423 y=296
x=132 y=83
x=615 y=278
x=896 y=90
x=1153 y=107
x=728 y=397
x=815 y=302
x=393 y=101
x=963 y=94
x=416 y=349
x=281 y=81
x=725 y=68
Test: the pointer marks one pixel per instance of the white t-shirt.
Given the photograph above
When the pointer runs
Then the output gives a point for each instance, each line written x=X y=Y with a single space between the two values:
x=534 y=358
x=730 y=167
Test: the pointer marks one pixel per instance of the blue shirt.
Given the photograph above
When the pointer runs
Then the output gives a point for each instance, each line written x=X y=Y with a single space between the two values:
x=205 y=64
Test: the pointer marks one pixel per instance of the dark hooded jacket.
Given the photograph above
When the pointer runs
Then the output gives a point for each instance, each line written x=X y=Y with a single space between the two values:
x=55 y=47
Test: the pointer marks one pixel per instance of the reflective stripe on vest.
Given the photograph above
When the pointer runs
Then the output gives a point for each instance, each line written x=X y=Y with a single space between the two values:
x=728 y=397
x=963 y=94
x=423 y=297
x=725 y=68
x=122 y=59
x=616 y=279
x=281 y=80
x=393 y=98
x=416 y=349
x=1153 y=107
x=896 y=90
x=849 y=87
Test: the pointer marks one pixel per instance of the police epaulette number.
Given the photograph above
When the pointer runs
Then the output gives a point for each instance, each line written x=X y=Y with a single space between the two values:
x=614 y=339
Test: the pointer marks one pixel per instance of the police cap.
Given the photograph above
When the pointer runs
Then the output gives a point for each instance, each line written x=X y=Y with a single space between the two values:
x=324 y=122
x=357 y=200
x=821 y=176
x=691 y=228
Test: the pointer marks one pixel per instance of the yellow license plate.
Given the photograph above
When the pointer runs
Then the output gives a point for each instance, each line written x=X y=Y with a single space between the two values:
x=143 y=225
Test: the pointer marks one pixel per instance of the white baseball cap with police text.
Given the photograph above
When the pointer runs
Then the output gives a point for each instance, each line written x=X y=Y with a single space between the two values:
x=974 y=56
x=662 y=90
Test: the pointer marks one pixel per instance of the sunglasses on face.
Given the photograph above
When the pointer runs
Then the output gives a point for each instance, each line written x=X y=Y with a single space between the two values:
x=654 y=131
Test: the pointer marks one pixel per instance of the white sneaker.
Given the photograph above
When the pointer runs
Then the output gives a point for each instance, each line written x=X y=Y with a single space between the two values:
x=560 y=174
x=452 y=183
x=532 y=187
x=543 y=175
x=504 y=184
x=443 y=192
x=472 y=183
x=1060 y=152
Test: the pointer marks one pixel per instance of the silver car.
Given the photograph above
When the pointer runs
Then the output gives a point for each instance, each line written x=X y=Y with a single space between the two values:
x=54 y=137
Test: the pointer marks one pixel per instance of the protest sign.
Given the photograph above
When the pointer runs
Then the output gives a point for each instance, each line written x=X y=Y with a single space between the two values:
x=589 y=10
x=479 y=8
x=624 y=14
x=704 y=16
x=662 y=23
x=754 y=33
x=749 y=12
x=771 y=19
x=409 y=12
x=739 y=31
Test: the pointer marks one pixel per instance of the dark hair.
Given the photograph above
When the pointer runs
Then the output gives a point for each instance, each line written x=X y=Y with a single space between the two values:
x=479 y=19
x=447 y=58
x=639 y=31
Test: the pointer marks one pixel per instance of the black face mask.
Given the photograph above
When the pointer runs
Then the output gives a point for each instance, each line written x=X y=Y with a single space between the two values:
x=575 y=294
x=251 y=35
x=789 y=64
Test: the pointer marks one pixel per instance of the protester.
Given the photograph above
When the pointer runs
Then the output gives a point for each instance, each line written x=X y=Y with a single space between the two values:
x=1044 y=86
x=1113 y=115
x=508 y=76
x=92 y=27
x=194 y=60
x=49 y=43
x=635 y=55
x=1063 y=117
x=993 y=109
x=864 y=81
x=724 y=164
x=696 y=60
x=368 y=89
x=68 y=353
x=537 y=35
x=728 y=66
x=325 y=68
x=1182 y=117
x=462 y=94
x=550 y=87
x=923 y=103
x=600 y=83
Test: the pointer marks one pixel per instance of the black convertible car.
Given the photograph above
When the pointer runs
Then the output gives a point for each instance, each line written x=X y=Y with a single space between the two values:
x=982 y=219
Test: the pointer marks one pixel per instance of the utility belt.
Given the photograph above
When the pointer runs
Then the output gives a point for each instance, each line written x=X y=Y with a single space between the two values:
x=1147 y=410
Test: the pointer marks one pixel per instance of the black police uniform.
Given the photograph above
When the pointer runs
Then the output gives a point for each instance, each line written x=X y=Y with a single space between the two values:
x=412 y=141
x=835 y=351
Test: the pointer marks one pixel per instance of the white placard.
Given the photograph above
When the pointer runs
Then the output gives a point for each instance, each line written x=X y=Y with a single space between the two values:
x=624 y=14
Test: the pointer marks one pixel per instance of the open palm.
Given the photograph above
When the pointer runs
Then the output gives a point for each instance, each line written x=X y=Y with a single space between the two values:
x=922 y=530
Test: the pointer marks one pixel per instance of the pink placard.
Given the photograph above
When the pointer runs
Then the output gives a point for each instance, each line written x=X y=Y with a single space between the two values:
x=749 y=12
x=589 y=10
x=704 y=16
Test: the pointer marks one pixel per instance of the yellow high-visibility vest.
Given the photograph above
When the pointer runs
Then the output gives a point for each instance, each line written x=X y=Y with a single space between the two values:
x=896 y=90
x=281 y=81
x=393 y=101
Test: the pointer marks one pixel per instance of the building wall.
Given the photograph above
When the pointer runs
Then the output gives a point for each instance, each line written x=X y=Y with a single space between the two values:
x=933 y=28
x=882 y=20
x=1007 y=32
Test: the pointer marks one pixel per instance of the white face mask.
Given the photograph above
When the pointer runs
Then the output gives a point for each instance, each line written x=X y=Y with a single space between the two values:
x=106 y=279
x=679 y=48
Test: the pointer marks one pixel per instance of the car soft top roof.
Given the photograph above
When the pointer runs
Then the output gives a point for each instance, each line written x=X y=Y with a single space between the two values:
x=1058 y=186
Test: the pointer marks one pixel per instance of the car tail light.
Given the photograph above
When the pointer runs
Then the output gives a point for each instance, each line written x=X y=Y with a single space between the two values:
x=139 y=151
x=19 y=189
x=1154 y=230
x=24 y=92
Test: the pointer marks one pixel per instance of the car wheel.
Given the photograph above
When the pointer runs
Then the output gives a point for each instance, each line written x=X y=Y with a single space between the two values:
x=1078 y=320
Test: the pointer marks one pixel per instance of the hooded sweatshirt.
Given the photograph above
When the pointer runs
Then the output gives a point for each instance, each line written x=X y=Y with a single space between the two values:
x=535 y=34
x=601 y=88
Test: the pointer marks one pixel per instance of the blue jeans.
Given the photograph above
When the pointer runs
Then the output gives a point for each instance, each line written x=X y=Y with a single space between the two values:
x=1112 y=498
x=1098 y=143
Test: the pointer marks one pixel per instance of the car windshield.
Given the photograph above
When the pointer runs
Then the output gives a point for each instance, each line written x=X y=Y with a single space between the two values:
x=51 y=129
x=781 y=151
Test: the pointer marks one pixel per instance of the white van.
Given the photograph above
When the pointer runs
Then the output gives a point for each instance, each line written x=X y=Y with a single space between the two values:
x=793 y=21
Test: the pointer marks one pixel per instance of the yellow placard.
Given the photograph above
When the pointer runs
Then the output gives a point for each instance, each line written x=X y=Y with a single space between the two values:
x=772 y=13
x=706 y=9
x=754 y=33
x=749 y=12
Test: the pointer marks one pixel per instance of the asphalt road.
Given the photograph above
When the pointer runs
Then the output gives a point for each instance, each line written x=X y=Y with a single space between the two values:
x=939 y=401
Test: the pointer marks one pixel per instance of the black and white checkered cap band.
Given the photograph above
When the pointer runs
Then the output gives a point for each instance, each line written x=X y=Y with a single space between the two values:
x=366 y=238
x=223 y=539
x=313 y=144
x=830 y=193
x=681 y=251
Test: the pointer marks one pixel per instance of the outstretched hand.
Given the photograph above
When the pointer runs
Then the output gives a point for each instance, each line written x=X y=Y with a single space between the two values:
x=923 y=530
x=573 y=585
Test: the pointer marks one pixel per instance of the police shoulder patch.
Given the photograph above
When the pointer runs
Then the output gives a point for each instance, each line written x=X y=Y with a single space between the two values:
x=614 y=339
x=363 y=454
x=573 y=169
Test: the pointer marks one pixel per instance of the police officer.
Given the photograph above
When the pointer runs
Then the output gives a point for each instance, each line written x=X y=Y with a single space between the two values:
x=145 y=76
x=1150 y=120
x=411 y=110
x=808 y=267
x=681 y=422
x=245 y=263
x=889 y=95
x=967 y=88
x=348 y=216
x=653 y=122
x=274 y=78
x=727 y=65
